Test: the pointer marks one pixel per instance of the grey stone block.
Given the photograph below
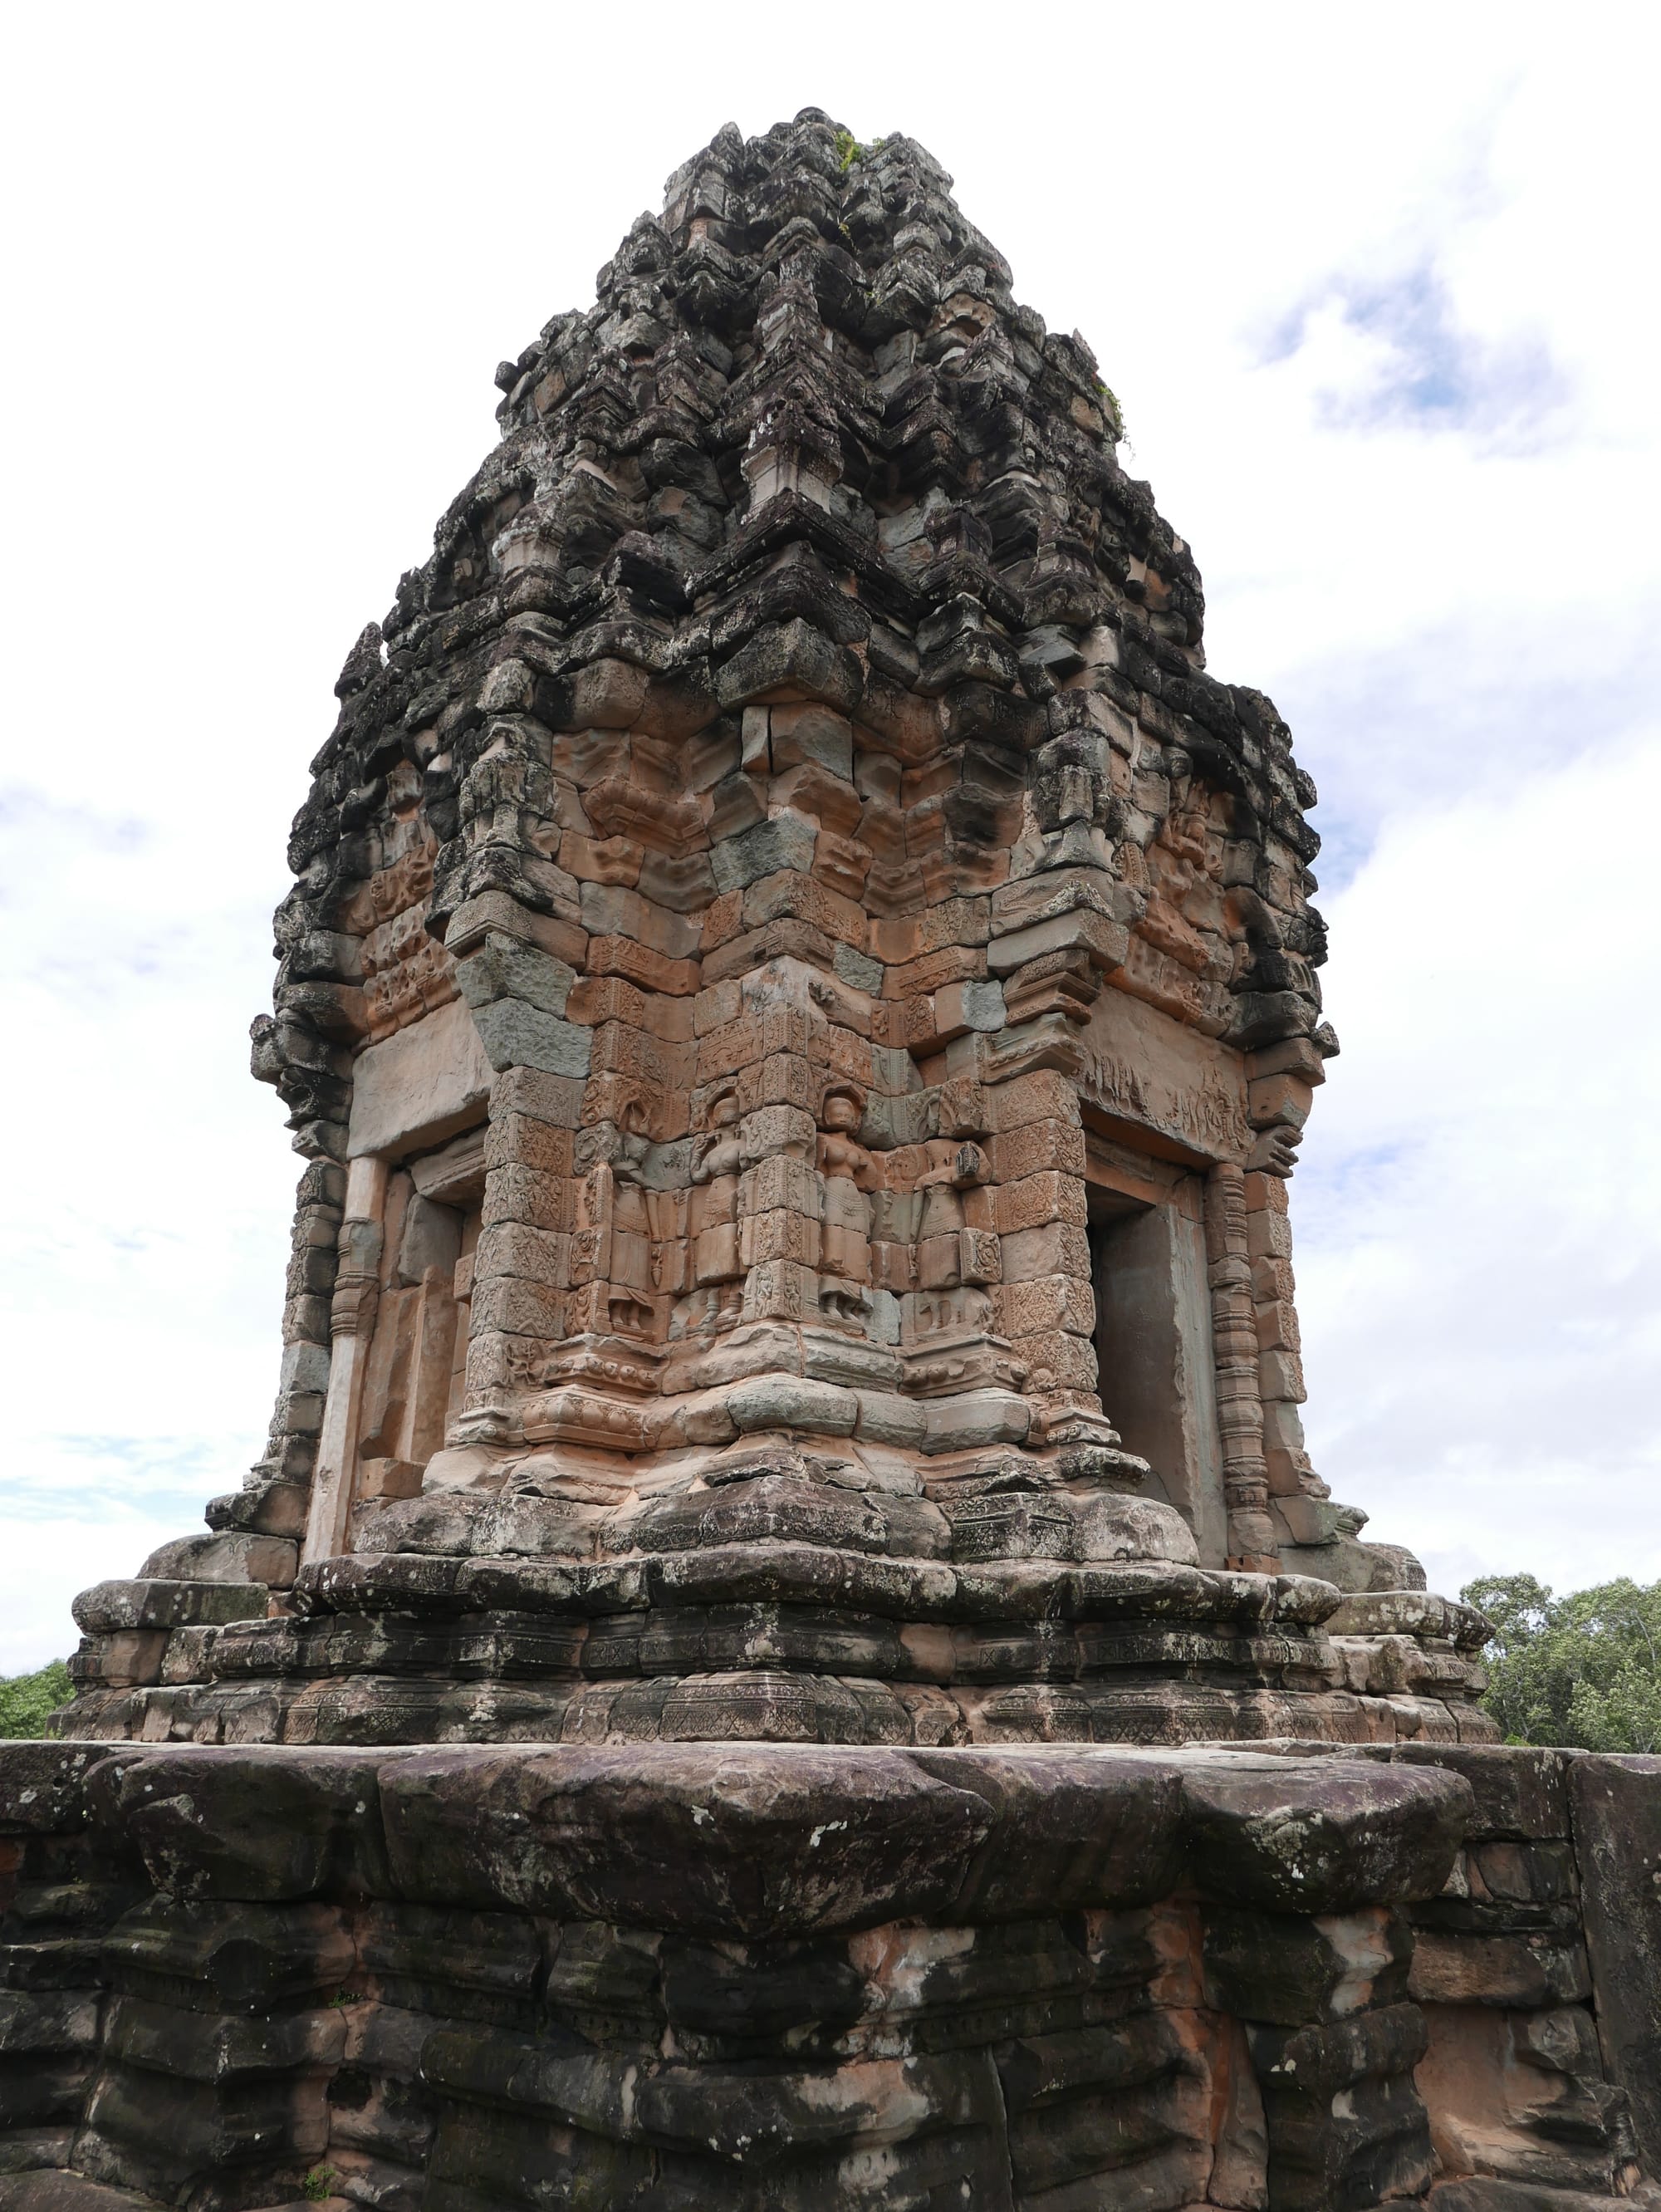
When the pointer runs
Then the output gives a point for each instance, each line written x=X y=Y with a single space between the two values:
x=515 y=1035
x=1616 y=1809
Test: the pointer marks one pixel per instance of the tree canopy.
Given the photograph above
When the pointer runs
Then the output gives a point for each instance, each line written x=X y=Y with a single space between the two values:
x=25 y=1699
x=1583 y=1670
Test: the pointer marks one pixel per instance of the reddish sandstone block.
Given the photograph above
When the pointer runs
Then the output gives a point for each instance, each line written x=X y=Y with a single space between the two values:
x=1266 y=1194
x=521 y=1140
x=1043 y=1095
x=513 y=1305
x=785 y=939
x=1056 y=1249
x=540 y=1199
x=779 y=1235
x=1278 y=1325
x=784 y=1078
x=535 y=1255
x=597 y=998
x=1057 y=1360
x=1033 y=1200
x=1268 y=1236
x=555 y=1099
x=1035 y=1148
x=1049 y=1301
x=621 y=954
x=1280 y=1375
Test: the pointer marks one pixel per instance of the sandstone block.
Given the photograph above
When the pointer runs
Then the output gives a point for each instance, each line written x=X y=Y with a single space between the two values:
x=1616 y=1804
x=1041 y=1095
x=886 y=1417
x=1269 y=1236
x=537 y=1095
x=1292 y=1972
x=857 y=969
x=233 y=1558
x=1347 y=2127
x=1056 y=1249
x=1363 y=1834
x=533 y=1255
x=974 y=1418
x=1115 y=1527
x=784 y=841
x=791 y=660
x=529 y=1195
x=1280 y=1375
x=1080 y=929
x=262 y=1826
x=611 y=911
x=793 y=1401
x=108 y=1607
x=967 y=1006
x=1277 y=1323
x=1035 y=1201
x=516 y=1140
x=1049 y=1301
x=426 y=1082
x=741 y=1841
x=505 y=967
x=1057 y=891
x=787 y=895
x=620 y=954
x=787 y=939
x=515 y=1035
x=1037 y=1146
x=498 y=914
x=1517 y=1971
x=1055 y=1359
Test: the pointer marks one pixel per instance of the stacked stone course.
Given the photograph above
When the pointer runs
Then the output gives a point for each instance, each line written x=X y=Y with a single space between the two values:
x=798 y=1003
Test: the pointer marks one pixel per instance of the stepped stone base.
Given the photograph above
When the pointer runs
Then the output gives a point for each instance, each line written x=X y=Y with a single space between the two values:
x=765 y=1594
x=474 y=1979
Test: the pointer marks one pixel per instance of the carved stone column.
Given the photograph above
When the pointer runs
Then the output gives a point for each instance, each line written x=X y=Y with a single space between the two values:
x=1234 y=1341
x=351 y=1324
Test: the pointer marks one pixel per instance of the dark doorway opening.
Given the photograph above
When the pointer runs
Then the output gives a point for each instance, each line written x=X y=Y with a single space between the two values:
x=1153 y=1342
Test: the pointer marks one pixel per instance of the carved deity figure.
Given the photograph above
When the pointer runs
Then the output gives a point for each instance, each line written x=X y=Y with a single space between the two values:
x=718 y=1270
x=844 y=1236
x=954 y=1249
x=1176 y=862
x=612 y=1244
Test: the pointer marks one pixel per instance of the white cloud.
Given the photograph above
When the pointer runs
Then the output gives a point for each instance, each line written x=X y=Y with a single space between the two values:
x=265 y=268
x=1479 y=1214
x=46 y=1561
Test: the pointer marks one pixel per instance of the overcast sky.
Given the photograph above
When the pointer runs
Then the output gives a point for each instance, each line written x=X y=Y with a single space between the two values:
x=1376 y=289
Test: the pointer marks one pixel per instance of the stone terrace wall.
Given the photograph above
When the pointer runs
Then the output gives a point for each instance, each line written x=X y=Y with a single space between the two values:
x=481 y=1978
x=1538 y=1968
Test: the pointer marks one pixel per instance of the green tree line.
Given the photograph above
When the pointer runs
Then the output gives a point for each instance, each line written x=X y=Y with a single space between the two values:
x=25 y=1699
x=1582 y=1669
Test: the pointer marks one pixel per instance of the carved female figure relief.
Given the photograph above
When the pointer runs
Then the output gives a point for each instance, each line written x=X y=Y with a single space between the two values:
x=1176 y=862
x=849 y=1174
x=955 y=1253
x=717 y=1269
x=611 y=1246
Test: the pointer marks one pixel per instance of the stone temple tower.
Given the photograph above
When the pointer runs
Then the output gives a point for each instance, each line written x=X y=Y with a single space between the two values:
x=799 y=1002
x=727 y=1691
